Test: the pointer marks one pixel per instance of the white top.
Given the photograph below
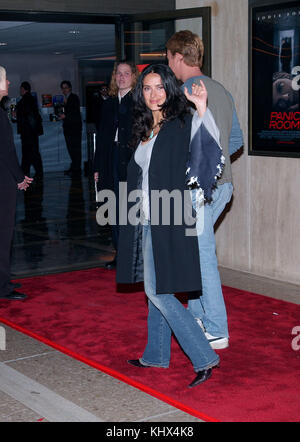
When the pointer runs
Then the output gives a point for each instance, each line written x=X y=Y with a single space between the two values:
x=142 y=157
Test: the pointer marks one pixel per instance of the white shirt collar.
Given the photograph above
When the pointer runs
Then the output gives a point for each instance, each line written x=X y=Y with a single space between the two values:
x=119 y=95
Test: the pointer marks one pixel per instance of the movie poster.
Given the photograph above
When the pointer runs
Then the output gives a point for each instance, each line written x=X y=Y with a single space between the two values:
x=275 y=80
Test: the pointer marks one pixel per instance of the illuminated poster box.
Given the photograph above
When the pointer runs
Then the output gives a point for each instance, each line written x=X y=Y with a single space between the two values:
x=274 y=57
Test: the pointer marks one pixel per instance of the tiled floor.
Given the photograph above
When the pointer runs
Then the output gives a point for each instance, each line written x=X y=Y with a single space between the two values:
x=56 y=231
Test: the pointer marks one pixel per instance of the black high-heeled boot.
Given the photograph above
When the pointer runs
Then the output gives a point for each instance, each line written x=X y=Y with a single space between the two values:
x=136 y=363
x=202 y=376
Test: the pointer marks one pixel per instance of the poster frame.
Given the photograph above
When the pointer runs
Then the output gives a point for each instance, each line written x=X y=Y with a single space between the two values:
x=254 y=7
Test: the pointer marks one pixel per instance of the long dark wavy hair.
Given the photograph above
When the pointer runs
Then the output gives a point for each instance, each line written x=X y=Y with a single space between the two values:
x=175 y=106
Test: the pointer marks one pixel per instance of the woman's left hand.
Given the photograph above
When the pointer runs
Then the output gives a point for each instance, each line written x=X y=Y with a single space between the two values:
x=25 y=184
x=198 y=97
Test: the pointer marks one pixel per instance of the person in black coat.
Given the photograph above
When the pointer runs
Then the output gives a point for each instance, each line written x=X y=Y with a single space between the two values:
x=11 y=178
x=97 y=101
x=30 y=128
x=113 y=153
x=164 y=253
x=72 y=126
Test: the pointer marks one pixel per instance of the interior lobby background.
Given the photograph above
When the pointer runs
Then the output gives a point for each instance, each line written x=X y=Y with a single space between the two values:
x=260 y=234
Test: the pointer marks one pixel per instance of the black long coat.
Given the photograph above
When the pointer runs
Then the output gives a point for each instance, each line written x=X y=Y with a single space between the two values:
x=10 y=171
x=176 y=255
x=114 y=115
x=29 y=121
x=10 y=175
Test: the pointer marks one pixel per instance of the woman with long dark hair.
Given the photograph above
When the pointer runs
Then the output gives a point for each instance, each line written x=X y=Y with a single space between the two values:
x=174 y=106
x=165 y=255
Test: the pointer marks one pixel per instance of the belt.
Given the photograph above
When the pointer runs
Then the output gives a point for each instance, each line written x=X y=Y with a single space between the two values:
x=116 y=143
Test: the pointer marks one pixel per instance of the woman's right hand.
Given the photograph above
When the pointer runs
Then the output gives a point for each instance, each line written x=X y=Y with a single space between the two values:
x=96 y=177
x=198 y=97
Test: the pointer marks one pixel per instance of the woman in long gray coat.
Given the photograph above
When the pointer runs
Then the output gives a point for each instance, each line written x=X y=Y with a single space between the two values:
x=165 y=254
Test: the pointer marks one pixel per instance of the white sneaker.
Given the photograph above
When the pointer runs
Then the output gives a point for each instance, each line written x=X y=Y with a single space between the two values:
x=217 y=343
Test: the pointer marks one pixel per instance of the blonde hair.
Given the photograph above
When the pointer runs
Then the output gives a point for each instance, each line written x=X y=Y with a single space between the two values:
x=189 y=45
x=113 y=88
x=2 y=78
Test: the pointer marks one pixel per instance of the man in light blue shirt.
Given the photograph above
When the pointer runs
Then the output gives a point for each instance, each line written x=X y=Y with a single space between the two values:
x=185 y=55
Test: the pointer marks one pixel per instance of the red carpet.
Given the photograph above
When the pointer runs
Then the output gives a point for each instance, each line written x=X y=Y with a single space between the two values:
x=84 y=315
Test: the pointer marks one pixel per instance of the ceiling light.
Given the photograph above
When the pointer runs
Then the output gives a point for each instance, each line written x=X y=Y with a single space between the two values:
x=2 y=43
x=74 y=32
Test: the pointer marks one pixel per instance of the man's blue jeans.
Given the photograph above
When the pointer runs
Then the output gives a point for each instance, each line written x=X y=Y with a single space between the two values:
x=167 y=315
x=210 y=307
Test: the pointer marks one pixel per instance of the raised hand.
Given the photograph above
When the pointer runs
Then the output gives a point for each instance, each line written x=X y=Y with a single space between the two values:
x=198 y=97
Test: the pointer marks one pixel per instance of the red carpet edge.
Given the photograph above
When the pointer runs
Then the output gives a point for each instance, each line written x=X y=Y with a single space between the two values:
x=111 y=372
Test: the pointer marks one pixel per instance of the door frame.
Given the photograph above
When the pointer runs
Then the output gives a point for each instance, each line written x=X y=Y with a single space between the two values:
x=178 y=14
x=120 y=20
x=69 y=17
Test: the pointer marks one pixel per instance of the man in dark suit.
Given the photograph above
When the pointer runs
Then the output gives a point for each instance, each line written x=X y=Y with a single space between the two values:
x=112 y=150
x=72 y=125
x=11 y=178
x=98 y=99
x=30 y=128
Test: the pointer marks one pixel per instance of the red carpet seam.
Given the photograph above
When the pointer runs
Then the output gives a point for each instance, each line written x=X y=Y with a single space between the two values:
x=111 y=372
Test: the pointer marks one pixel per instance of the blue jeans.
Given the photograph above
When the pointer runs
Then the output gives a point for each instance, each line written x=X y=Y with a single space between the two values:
x=210 y=307
x=166 y=315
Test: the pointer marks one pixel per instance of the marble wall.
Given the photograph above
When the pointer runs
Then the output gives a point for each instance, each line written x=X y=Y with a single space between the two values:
x=260 y=233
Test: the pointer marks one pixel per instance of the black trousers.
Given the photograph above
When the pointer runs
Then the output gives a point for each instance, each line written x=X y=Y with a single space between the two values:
x=7 y=220
x=73 y=142
x=31 y=155
x=116 y=180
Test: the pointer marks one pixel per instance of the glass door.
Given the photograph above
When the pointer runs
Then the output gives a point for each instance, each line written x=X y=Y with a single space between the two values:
x=144 y=36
